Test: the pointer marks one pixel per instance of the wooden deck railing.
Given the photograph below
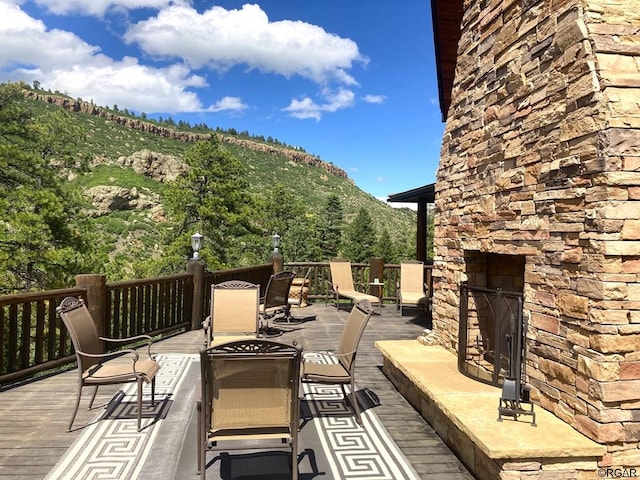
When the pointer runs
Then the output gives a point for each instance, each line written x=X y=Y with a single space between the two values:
x=33 y=339
x=363 y=273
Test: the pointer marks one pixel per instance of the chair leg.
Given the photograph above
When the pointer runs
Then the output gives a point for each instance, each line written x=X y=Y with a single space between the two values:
x=200 y=468
x=294 y=460
x=139 y=403
x=354 y=401
x=93 y=397
x=75 y=410
x=153 y=392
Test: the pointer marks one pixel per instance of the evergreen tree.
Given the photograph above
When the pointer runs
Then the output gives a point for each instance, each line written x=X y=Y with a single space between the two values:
x=330 y=228
x=360 y=238
x=211 y=198
x=42 y=241
x=385 y=247
x=282 y=209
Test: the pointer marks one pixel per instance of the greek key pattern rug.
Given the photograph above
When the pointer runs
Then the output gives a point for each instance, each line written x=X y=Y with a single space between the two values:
x=353 y=451
x=331 y=443
x=111 y=447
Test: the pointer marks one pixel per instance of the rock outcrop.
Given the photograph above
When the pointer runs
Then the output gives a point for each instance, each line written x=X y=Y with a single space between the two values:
x=160 y=167
x=296 y=156
x=106 y=199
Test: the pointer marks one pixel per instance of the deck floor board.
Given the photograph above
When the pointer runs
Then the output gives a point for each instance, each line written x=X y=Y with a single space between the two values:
x=34 y=416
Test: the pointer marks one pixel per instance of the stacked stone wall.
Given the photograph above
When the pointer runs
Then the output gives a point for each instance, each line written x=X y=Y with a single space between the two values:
x=541 y=158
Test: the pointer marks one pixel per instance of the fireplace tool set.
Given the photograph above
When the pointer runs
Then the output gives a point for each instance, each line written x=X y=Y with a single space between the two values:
x=515 y=394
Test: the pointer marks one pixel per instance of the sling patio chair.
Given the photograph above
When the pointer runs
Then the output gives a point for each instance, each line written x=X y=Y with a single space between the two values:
x=342 y=370
x=248 y=393
x=234 y=312
x=97 y=367
x=297 y=293
x=342 y=285
x=412 y=290
x=276 y=299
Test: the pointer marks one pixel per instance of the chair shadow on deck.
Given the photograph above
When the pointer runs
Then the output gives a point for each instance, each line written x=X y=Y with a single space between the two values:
x=266 y=465
x=295 y=325
x=118 y=409
x=335 y=407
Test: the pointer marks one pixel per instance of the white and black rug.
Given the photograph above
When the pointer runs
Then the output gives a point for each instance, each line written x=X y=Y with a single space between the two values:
x=331 y=444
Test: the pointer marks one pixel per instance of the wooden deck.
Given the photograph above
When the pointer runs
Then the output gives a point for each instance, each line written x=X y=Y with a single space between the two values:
x=34 y=416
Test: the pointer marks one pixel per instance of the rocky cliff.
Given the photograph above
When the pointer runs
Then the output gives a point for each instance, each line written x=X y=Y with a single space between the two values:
x=183 y=136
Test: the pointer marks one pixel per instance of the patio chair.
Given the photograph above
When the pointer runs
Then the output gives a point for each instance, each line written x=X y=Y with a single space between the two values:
x=342 y=285
x=276 y=298
x=234 y=312
x=342 y=370
x=248 y=392
x=412 y=288
x=95 y=366
x=296 y=293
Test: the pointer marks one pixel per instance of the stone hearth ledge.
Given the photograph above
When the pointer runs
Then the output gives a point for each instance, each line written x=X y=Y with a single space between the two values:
x=464 y=413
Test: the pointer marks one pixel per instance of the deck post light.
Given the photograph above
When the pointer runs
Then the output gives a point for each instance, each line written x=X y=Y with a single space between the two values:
x=275 y=238
x=196 y=244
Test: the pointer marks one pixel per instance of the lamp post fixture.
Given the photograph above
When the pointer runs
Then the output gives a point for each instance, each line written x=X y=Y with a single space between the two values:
x=196 y=244
x=275 y=238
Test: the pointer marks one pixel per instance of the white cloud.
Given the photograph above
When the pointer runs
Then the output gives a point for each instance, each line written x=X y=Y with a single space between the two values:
x=62 y=61
x=100 y=7
x=332 y=101
x=26 y=41
x=234 y=104
x=217 y=39
x=221 y=39
x=374 y=99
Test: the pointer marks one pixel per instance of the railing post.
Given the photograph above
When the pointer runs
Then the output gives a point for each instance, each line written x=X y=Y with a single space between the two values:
x=277 y=260
x=376 y=268
x=195 y=267
x=96 y=287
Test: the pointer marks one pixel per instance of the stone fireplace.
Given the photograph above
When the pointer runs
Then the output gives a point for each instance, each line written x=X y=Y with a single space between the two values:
x=538 y=193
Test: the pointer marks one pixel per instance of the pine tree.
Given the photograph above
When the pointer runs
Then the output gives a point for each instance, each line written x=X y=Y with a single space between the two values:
x=211 y=198
x=360 y=238
x=330 y=228
x=385 y=248
x=43 y=242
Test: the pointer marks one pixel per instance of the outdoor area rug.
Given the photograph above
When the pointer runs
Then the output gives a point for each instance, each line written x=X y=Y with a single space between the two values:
x=111 y=447
x=332 y=445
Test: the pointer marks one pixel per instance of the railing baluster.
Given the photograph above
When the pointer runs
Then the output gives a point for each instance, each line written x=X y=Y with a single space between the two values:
x=13 y=338
x=39 y=340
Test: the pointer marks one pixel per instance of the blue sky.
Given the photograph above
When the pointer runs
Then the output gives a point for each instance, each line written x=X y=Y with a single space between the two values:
x=352 y=81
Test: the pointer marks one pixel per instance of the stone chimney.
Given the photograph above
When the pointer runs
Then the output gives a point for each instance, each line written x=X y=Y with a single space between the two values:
x=540 y=162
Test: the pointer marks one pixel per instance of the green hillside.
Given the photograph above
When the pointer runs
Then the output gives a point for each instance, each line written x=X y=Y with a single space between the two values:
x=116 y=134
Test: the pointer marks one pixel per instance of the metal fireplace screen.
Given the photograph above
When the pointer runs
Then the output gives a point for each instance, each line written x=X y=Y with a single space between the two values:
x=491 y=344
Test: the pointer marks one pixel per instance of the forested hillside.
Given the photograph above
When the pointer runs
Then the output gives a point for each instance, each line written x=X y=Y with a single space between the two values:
x=88 y=189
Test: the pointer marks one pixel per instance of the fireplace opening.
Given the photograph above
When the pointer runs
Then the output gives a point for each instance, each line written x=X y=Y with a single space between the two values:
x=492 y=329
x=491 y=332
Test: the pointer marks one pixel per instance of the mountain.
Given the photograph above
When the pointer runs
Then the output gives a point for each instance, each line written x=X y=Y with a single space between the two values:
x=131 y=158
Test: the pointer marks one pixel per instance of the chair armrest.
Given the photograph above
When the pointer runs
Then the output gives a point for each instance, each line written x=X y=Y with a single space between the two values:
x=207 y=330
x=302 y=339
x=147 y=338
x=126 y=340
x=111 y=355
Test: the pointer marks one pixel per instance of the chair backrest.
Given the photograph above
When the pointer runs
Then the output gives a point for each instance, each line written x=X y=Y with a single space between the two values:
x=341 y=275
x=302 y=285
x=352 y=333
x=277 y=292
x=412 y=277
x=235 y=307
x=251 y=387
x=76 y=317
